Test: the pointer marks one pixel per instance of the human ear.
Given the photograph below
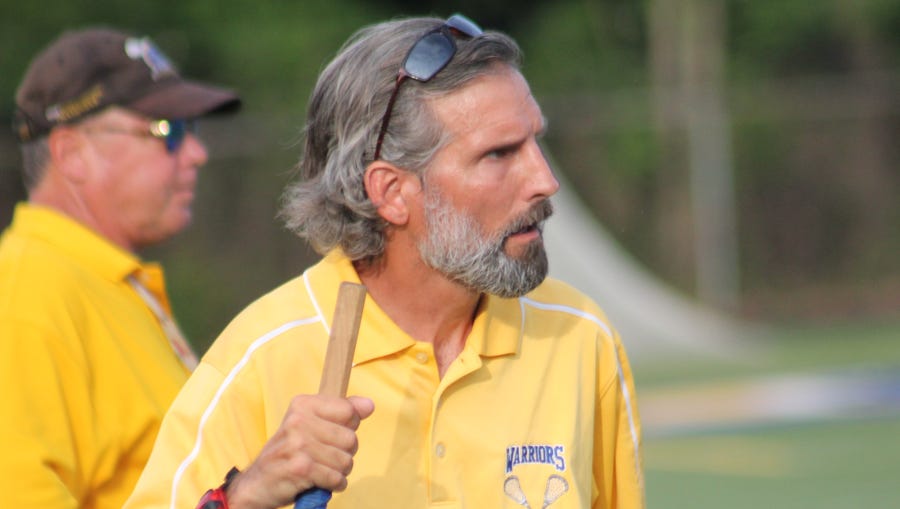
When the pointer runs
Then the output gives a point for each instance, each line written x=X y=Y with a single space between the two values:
x=388 y=188
x=66 y=145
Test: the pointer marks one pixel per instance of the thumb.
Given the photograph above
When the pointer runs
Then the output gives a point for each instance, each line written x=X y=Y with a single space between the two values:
x=363 y=406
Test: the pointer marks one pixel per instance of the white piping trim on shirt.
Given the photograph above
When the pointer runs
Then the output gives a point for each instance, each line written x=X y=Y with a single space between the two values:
x=570 y=310
x=622 y=385
x=297 y=323
x=634 y=438
x=225 y=383
x=315 y=303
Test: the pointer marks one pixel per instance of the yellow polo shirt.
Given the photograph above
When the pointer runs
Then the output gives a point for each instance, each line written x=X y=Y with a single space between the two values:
x=86 y=373
x=539 y=406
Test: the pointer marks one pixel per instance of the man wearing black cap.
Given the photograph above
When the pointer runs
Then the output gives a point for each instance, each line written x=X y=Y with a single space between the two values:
x=90 y=358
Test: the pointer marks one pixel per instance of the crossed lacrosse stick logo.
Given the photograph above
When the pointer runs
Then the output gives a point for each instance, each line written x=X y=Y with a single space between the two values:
x=556 y=486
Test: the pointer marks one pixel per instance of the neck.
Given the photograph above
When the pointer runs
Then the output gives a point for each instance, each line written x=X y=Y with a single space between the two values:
x=423 y=302
x=63 y=198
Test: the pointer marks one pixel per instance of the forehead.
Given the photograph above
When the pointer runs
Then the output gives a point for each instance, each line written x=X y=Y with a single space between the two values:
x=115 y=114
x=498 y=104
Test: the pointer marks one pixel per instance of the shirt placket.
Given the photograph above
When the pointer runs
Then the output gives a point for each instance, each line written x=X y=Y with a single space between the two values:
x=444 y=450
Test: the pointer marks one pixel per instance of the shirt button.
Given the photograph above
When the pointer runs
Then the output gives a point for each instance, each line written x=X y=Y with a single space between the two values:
x=440 y=450
x=422 y=357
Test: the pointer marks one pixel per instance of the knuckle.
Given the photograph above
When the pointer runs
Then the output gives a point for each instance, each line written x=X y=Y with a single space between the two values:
x=301 y=466
x=346 y=440
x=348 y=467
x=337 y=480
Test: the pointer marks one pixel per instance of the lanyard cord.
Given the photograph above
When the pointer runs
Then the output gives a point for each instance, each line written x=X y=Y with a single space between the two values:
x=170 y=328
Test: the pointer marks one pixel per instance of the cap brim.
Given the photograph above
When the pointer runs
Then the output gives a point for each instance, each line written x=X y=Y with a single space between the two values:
x=186 y=99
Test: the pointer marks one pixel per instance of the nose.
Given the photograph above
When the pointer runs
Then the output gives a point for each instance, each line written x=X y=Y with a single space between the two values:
x=543 y=183
x=193 y=151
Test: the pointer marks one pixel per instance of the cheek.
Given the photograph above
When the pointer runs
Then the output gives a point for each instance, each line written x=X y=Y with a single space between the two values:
x=493 y=210
x=157 y=178
x=117 y=188
x=148 y=191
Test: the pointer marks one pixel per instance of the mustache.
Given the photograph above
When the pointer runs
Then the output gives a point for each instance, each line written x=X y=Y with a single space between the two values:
x=535 y=216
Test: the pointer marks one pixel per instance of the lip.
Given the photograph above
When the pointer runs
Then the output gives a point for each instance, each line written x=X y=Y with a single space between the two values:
x=527 y=234
x=185 y=195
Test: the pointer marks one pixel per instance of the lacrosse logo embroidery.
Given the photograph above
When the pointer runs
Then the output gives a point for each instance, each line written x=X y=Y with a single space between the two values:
x=541 y=454
x=556 y=487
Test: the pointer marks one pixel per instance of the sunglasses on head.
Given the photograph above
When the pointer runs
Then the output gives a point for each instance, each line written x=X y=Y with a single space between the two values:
x=431 y=53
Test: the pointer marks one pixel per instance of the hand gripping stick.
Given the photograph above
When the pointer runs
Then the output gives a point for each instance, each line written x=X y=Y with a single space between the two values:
x=338 y=361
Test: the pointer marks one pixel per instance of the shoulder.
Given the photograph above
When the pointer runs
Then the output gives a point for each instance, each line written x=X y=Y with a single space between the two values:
x=284 y=311
x=24 y=258
x=39 y=285
x=555 y=298
x=574 y=318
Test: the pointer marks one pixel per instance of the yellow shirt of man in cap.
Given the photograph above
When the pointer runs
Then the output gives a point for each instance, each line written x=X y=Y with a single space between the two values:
x=90 y=357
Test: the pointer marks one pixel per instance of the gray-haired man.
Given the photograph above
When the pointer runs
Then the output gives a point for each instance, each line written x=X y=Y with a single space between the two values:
x=482 y=384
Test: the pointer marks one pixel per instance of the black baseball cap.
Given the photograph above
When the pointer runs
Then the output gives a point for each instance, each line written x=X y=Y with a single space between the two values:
x=87 y=70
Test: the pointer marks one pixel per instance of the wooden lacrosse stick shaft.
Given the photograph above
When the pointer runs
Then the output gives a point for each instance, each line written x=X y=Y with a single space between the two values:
x=342 y=342
x=338 y=361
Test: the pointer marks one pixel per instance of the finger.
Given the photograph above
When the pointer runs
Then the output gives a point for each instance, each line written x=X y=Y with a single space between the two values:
x=328 y=468
x=363 y=406
x=334 y=409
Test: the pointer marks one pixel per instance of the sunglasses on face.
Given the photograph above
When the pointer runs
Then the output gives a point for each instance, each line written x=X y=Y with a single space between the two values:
x=431 y=53
x=172 y=132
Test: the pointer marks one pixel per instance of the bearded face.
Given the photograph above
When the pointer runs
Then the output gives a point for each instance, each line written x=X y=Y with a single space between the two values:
x=458 y=247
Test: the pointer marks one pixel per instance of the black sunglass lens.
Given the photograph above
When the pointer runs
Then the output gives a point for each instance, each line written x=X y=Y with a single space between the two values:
x=426 y=58
x=464 y=25
x=177 y=131
x=429 y=56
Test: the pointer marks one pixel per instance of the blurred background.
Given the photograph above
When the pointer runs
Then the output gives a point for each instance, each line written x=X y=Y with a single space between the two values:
x=731 y=198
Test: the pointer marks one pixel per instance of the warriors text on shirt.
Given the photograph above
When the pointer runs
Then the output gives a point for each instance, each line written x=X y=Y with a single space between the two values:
x=547 y=454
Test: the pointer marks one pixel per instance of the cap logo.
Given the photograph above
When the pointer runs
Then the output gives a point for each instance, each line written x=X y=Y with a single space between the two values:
x=156 y=60
x=76 y=107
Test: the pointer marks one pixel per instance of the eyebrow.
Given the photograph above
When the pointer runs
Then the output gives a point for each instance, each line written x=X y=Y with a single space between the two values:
x=515 y=144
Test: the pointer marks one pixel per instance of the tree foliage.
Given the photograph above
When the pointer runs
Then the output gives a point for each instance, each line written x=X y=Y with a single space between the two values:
x=811 y=89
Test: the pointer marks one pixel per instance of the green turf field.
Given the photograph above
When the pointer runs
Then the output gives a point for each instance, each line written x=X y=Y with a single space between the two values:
x=812 y=423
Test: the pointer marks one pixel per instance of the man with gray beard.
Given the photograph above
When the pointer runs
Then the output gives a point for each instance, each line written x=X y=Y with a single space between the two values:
x=457 y=246
x=477 y=381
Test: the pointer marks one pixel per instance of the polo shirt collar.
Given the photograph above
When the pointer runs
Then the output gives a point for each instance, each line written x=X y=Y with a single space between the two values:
x=497 y=329
x=75 y=240
x=495 y=332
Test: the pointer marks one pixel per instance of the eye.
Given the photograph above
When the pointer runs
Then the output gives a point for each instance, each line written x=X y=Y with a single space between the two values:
x=502 y=152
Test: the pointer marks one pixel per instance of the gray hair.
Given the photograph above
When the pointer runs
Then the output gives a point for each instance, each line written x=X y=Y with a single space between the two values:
x=35 y=158
x=328 y=206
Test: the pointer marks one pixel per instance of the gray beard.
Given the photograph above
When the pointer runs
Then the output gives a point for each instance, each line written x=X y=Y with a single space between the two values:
x=457 y=247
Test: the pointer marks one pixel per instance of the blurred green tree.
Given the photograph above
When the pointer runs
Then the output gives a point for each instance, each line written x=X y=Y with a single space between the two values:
x=810 y=88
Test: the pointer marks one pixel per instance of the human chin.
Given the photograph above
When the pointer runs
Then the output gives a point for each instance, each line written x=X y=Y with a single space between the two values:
x=529 y=267
x=497 y=271
x=177 y=218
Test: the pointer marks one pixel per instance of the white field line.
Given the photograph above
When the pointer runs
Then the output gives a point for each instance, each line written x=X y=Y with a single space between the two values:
x=768 y=400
